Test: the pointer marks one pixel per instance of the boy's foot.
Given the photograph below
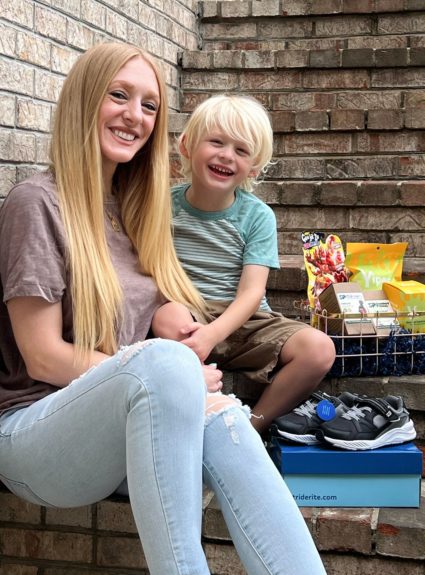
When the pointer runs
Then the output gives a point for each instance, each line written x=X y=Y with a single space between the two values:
x=369 y=424
x=302 y=423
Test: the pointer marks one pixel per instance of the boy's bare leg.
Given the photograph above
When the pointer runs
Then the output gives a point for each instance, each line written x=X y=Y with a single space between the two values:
x=169 y=319
x=306 y=358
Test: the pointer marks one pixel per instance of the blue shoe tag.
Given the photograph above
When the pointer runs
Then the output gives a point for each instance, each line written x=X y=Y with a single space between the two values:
x=325 y=410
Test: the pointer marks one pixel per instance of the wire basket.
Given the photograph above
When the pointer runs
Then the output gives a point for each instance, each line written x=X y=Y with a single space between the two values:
x=393 y=350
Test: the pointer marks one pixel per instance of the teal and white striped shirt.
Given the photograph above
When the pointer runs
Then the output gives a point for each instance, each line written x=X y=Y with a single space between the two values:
x=213 y=247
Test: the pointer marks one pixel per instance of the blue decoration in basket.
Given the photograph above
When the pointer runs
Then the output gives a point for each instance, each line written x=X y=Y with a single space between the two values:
x=397 y=354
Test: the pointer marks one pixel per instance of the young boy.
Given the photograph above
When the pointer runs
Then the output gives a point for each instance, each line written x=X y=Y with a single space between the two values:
x=225 y=238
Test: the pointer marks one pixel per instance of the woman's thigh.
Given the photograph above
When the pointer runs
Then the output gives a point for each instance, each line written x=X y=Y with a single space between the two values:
x=69 y=448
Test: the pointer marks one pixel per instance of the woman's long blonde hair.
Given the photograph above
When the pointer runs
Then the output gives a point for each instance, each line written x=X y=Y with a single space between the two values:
x=143 y=190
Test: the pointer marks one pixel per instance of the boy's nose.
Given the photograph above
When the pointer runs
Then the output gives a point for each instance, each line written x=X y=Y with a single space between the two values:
x=226 y=153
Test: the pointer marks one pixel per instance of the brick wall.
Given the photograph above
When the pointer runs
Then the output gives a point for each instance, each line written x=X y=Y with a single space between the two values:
x=39 y=42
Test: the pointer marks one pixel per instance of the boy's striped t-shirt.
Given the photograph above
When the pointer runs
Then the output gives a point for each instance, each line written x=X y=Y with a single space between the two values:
x=213 y=247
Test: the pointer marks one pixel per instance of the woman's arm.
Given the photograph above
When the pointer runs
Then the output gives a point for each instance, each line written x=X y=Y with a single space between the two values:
x=37 y=327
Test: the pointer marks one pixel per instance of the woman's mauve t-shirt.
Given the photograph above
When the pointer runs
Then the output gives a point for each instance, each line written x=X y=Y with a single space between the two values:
x=33 y=263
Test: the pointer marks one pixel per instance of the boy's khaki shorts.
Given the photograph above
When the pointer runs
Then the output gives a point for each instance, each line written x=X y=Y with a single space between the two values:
x=255 y=347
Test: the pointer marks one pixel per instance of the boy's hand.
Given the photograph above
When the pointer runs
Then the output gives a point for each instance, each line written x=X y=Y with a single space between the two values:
x=201 y=339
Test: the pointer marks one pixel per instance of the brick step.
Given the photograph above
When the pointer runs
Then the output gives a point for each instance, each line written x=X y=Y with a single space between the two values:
x=292 y=276
x=362 y=540
x=102 y=539
x=276 y=59
x=320 y=25
x=375 y=109
x=222 y=9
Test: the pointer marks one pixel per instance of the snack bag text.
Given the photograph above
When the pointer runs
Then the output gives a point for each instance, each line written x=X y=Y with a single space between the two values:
x=371 y=265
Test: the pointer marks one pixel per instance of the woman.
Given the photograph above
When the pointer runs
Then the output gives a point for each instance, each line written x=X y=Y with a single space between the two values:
x=86 y=400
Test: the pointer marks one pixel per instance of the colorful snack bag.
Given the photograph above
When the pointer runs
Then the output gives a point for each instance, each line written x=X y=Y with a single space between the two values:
x=324 y=262
x=371 y=265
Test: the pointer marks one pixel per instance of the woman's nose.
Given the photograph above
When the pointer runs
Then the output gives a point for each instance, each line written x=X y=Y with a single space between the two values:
x=133 y=113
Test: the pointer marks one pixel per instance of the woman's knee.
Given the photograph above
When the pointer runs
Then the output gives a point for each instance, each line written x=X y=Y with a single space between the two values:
x=164 y=363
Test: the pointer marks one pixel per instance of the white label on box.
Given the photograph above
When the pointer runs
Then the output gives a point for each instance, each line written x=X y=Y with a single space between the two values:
x=351 y=302
x=379 y=306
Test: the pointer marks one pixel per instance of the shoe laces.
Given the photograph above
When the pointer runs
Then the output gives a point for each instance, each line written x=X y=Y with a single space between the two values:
x=356 y=412
x=308 y=409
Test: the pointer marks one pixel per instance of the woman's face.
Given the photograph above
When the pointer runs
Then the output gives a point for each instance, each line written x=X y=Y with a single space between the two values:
x=128 y=113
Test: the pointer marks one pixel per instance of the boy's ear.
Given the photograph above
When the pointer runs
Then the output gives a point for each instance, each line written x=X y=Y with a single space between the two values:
x=182 y=148
x=253 y=173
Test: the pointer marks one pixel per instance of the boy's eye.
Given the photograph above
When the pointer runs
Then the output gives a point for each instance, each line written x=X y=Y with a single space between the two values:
x=242 y=151
x=215 y=141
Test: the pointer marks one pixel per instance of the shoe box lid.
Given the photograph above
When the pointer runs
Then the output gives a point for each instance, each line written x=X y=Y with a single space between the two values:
x=403 y=459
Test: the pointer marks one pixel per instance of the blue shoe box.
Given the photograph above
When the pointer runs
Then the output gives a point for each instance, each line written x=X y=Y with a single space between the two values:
x=321 y=476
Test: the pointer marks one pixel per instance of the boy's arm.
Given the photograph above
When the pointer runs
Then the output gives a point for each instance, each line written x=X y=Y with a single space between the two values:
x=251 y=289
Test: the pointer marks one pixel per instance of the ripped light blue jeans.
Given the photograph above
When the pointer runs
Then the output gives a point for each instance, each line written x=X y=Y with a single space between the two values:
x=141 y=414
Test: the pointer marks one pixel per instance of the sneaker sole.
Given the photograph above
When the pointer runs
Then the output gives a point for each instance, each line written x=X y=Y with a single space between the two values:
x=306 y=439
x=391 y=437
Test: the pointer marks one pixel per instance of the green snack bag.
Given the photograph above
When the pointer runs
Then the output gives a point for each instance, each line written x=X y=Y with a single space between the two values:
x=371 y=265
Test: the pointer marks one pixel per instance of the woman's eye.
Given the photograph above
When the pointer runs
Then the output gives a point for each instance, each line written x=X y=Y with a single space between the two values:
x=150 y=106
x=118 y=95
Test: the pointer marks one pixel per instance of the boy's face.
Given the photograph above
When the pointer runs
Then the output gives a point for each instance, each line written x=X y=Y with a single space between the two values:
x=219 y=163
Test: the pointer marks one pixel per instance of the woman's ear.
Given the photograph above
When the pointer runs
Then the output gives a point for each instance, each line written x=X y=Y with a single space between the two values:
x=182 y=147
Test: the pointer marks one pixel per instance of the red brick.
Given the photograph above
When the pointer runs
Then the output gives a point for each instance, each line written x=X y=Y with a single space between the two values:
x=391 y=142
x=357 y=58
x=292 y=58
x=401 y=533
x=115 y=516
x=378 y=193
x=344 y=26
x=282 y=29
x=361 y=6
x=391 y=58
x=417 y=56
x=9 y=569
x=347 y=120
x=361 y=167
x=120 y=552
x=269 y=80
x=212 y=81
x=338 y=193
x=316 y=144
x=13 y=508
x=412 y=166
x=283 y=121
x=75 y=517
x=345 y=530
x=415 y=99
x=325 y=58
x=384 y=119
x=414 y=119
x=191 y=100
x=398 y=77
x=53 y=545
x=311 y=121
x=297 y=168
x=412 y=194
x=331 y=79
x=299 y=193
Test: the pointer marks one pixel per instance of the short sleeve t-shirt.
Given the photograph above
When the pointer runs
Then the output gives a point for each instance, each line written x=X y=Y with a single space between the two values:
x=33 y=263
x=213 y=247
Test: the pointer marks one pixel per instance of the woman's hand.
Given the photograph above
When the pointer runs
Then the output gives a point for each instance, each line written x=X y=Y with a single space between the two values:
x=212 y=377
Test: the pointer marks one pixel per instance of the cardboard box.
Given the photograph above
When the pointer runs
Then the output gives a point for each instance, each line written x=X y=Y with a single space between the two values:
x=318 y=476
x=407 y=297
x=377 y=303
x=345 y=298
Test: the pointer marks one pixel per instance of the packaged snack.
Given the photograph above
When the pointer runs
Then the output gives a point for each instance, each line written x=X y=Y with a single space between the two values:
x=371 y=265
x=324 y=262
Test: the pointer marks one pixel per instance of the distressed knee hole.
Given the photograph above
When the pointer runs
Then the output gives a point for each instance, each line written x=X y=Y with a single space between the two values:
x=218 y=402
x=126 y=353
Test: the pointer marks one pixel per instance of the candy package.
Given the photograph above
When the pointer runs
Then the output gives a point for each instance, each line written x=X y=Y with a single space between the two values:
x=324 y=261
x=371 y=265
